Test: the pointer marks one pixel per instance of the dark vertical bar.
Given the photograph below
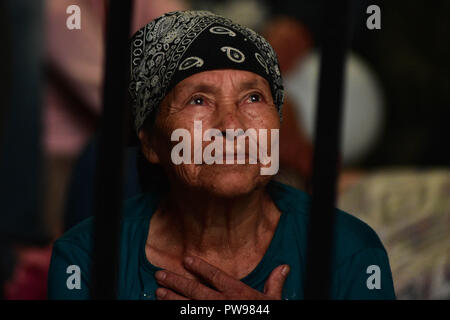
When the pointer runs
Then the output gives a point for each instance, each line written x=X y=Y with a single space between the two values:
x=335 y=37
x=109 y=180
x=21 y=157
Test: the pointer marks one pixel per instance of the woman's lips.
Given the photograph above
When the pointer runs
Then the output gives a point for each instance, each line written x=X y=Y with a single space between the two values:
x=233 y=157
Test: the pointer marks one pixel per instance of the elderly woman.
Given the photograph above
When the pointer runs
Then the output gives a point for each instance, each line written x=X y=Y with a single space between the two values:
x=215 y=226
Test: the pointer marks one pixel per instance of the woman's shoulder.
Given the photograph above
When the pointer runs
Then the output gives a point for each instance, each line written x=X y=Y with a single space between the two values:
x=351 y=234
x=135 y=210
x=80 y=234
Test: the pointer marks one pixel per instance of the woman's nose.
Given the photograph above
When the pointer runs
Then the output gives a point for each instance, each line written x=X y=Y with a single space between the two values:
x=229 y=117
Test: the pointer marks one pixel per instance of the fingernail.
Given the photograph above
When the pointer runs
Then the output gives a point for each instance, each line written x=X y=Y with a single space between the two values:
x=161 y=292
x=188 y=260
x=160 y=275
x=285 y=270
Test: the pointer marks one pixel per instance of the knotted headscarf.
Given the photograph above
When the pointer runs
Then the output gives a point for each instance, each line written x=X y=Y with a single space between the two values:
x=180 y=44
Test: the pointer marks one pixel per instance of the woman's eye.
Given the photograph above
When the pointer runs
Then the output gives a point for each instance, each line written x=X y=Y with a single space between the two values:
x=197 y=101
x=255 y=97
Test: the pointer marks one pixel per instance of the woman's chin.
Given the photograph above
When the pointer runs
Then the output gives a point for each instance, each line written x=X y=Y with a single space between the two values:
x=233 y=183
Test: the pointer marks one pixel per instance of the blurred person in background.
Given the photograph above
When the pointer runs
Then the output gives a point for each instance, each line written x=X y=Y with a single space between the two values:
x=72 y=107
x=292 y=41
x=73 y=96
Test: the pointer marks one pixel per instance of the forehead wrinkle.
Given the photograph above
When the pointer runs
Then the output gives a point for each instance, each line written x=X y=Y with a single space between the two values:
x=255 y=83
x=214 y=84
x=200 y=85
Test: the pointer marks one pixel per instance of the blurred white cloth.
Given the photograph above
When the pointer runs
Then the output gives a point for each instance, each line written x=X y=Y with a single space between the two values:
x=410 y=211
x=362 y=109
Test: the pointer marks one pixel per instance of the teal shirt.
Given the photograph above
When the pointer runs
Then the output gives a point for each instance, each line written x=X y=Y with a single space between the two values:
x=356 y=248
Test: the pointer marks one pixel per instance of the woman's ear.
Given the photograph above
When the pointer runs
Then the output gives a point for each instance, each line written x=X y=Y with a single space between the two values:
x=147 y=148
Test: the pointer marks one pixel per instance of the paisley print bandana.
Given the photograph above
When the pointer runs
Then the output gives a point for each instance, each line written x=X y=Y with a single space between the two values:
x=182 y=43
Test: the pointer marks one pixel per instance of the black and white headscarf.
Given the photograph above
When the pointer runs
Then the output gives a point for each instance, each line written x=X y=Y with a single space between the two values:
x=180 y=44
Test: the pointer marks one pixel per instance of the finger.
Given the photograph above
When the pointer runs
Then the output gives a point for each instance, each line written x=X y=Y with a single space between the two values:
x=167 y=294
x=187 y=287
x=214 y=276
x=274 y=284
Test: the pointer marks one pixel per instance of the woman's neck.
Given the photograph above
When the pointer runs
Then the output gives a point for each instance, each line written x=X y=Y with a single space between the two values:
x=215 y=227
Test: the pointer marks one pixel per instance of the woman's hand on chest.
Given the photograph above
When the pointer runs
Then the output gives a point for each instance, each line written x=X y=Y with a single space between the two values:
x=215 y=284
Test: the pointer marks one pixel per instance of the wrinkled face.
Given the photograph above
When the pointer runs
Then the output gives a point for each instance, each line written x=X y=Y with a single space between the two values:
x=220 y=99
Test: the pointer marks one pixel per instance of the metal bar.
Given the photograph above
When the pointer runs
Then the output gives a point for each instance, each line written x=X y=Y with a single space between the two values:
x=335 y=37
x=110 y=161
x=21 y=156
